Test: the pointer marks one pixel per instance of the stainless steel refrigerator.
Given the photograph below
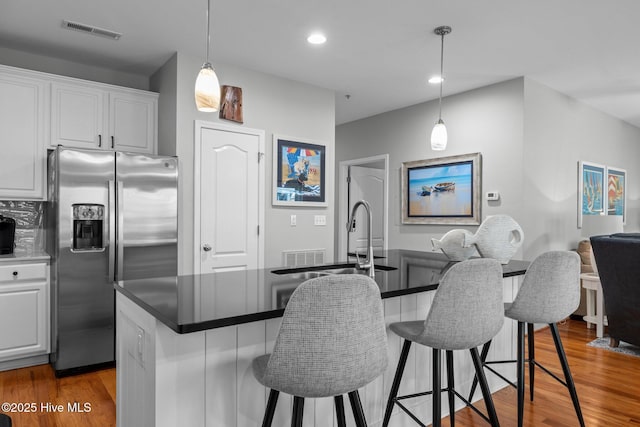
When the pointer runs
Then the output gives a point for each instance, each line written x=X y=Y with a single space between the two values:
x=110 y=216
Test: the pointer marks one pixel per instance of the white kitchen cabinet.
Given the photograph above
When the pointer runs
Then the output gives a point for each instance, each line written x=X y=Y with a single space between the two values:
x=99 y=116
x=24 y=312
x=23 y=99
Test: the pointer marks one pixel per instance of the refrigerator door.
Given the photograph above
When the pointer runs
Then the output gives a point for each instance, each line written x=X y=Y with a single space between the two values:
x=147 y=188
x=82 y=286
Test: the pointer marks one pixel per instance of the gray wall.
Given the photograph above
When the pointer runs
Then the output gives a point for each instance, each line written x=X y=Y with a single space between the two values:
x=531 y=139
x=559 y=132
x=270 y=103
x=487 y=120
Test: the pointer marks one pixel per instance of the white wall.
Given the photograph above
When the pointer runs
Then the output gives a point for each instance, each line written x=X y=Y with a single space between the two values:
x=559 y=132
x=53 y=65
x=531 y=139
x=487 y=120
x=274 y=104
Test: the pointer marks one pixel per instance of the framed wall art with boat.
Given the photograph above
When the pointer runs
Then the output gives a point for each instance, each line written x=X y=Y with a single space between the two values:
x=445 y=190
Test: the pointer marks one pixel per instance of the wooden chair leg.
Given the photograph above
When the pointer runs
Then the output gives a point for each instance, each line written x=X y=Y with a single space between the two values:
x=271 y=408
x=567 y=373
x=356 y=407
x=340 y=411
x=298 y=411
x=396 y=382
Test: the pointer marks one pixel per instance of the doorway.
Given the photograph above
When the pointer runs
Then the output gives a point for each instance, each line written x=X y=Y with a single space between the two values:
x=228 y=198
x=363 y=179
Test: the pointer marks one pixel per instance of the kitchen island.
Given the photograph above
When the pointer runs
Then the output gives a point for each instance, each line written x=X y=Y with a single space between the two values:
x=185 y=343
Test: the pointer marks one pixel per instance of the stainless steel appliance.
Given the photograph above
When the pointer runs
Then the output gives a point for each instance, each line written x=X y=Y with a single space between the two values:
x=110 y=216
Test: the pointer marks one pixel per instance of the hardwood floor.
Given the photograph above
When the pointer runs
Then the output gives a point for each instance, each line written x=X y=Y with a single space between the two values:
x=608 y=386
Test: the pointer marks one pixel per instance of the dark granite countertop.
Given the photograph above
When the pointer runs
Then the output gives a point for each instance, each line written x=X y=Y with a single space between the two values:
x=198 y=302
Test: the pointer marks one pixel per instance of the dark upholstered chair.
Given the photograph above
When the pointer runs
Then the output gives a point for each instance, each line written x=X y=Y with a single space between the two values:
x=618 y=260
x=5 y=420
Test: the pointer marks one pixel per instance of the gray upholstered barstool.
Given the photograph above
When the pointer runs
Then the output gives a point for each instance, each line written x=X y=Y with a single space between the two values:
x=550 y=292
x=331 y=342
x=467 y=310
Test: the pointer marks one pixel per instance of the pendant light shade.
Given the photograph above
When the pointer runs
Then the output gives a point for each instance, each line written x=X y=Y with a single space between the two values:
x=439 y=136
x=207 y=89
x=439 y=132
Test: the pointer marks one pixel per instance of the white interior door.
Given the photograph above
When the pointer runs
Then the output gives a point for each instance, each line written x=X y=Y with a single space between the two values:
x=231 y=198
x=367 y=184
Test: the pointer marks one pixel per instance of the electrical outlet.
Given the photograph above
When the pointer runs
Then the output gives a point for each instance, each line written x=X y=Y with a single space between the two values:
x=320 y=220
x=293 y=221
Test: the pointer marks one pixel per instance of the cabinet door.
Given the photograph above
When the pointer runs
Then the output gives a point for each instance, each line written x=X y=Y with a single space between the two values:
x=23 y=314
x=22 y=127
x=132 y=122
x=78 y=116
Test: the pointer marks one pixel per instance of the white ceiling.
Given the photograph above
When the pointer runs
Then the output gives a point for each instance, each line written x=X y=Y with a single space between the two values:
x=380 y=52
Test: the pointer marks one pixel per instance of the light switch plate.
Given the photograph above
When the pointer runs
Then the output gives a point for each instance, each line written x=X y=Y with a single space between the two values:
x=493 y=195
x=320 y=220
x=293 y=221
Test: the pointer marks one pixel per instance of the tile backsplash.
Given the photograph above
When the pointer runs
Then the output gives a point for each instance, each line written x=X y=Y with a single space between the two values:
x=29 y=222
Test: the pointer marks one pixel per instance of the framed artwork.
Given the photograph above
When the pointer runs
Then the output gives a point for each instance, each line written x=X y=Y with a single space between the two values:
x=617 y=192
x=231 y=104
x=591 y=181
x=299 y=173
x=446 y=190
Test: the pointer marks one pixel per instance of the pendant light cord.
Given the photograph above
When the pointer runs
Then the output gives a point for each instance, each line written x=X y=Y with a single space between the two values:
x=441 y=75
x=208 y=30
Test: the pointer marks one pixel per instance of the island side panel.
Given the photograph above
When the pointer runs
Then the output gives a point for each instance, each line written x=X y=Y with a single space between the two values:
x=218 y=365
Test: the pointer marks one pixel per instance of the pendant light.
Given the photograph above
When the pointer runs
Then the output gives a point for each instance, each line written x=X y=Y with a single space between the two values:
x=207 y=90
x=439 y=132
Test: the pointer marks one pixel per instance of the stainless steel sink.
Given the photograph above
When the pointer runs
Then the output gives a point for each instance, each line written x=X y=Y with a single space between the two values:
x=323 y=270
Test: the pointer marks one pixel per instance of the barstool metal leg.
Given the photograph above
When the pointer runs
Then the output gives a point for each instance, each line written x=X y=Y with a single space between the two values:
x=520 y=373
x=483 y=358
x=298 y=411
x=340 y=411
x=451 y=388
x=484 y=386
x=567 y=373
x=532 y=358
x=356 y=407
x=437 y=387
x=271 y=408
x=396 y=382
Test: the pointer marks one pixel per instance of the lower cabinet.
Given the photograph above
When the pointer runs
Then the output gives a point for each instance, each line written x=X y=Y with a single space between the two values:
x=205 y=378
x=24 y=313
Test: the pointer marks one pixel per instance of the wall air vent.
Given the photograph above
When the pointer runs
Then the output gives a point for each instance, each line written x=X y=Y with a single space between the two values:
x=76 y=26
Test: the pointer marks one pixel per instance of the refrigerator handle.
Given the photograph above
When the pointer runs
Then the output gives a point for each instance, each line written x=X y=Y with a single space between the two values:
x=120 y=228
x=112 y=229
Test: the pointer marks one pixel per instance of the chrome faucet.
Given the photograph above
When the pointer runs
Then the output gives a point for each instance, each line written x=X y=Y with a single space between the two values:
x=367 y=264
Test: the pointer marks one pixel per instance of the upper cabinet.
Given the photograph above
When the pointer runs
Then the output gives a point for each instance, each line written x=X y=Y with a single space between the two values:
x=23 y=102
x=86 y=115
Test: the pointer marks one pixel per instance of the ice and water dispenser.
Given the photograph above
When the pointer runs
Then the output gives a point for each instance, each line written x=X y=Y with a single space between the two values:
x=88 y=227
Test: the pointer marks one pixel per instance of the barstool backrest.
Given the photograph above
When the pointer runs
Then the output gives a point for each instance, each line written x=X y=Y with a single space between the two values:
x=550 y=290
x=332 y=339
x=467 y=309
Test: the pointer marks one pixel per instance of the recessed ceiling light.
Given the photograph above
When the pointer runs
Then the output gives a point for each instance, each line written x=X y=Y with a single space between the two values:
x=436 y=80
x=316 y=38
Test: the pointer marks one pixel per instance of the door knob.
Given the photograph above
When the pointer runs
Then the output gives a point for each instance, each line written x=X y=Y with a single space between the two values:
x=206 y=247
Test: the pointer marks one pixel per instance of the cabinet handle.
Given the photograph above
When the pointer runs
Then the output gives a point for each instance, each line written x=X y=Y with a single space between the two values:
x=15 y=274
x=113 y=144
x=99 y=140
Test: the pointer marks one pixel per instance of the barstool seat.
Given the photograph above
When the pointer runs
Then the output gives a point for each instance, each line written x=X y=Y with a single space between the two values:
x=332 y=341
x=466 y=312
x=550 y=292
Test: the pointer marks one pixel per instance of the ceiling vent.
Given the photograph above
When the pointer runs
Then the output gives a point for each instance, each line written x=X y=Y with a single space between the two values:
x=70 y=25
